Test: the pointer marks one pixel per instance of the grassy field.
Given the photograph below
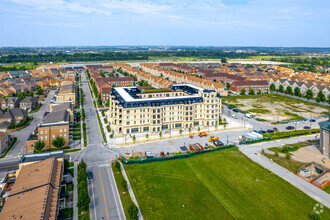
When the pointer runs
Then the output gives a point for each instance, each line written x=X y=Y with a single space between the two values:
x=275 y=107
x=217 y=185
x=288 y=164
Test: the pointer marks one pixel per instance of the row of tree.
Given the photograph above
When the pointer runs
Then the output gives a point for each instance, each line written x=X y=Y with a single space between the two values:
x=83 y=196
x=58 y=143
x=251 y=92
x=296 y=92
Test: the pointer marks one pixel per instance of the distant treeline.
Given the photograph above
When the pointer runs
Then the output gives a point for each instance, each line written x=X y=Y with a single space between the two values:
x=102 y=56
x=318 y=61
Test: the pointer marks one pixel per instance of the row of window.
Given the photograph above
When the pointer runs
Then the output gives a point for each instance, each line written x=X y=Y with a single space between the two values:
x=61 y=130
x=46 y=137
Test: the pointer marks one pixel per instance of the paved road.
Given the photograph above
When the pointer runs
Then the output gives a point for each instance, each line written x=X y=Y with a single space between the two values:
x=311 y=190
x=105 y=200
x=8 y=165
x=20 y=147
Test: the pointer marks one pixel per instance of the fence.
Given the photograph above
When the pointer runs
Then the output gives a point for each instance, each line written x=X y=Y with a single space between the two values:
x=182 y=156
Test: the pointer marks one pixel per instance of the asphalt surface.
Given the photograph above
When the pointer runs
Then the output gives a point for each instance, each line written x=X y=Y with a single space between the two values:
x=20 y=147
x=105 y=200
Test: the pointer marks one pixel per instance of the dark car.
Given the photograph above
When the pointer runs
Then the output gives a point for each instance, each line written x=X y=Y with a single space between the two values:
x=270 y=131
x=289 y=128
x=90 y=174
x=235 y=110
x=229 y=107
x=262 y=131
x=307 y=127
x=312 y=120
x=217 y=143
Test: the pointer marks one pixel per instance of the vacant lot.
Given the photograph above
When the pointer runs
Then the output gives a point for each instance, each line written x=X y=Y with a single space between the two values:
x=217 y=185
x=275 y=107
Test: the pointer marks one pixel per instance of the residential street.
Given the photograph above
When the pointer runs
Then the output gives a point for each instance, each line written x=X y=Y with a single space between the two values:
x=105 y=200
x=20 y=148
x=308 y=188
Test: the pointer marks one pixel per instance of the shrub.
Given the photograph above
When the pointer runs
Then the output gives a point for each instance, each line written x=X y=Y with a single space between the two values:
x=124 y=184
x=288 y=156
x=276 y=153
x=117 y=165
x=133 y=211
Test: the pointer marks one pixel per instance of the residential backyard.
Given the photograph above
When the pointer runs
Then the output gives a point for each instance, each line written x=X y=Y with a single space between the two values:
x=274 y=107
x=223 y=184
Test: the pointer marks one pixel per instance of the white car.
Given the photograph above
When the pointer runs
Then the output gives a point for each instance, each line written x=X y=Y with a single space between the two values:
x=234 y=116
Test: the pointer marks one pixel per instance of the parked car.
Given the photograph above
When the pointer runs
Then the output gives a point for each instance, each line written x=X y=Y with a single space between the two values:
x=275 y=129
x=217 y=143
x=270 y=131
x=312 y=120
x=162 y=154
x=235 y=110
x=234 y=116
x=289 y=128
x=307 y=127
x=229 y=107
x=262 y=131
x=248 y=115
x=90 y=174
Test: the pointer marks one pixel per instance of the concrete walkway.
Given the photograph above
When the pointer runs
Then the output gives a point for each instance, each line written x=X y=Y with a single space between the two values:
x=130 y=190
x=311 y=190
x=75 y=192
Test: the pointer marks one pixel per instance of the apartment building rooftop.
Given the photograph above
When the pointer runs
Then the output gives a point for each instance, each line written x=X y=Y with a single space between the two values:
x=184 y=93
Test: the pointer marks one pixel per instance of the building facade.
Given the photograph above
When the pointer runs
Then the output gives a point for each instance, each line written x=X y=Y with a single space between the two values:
x=325 y=137
x=181 y=106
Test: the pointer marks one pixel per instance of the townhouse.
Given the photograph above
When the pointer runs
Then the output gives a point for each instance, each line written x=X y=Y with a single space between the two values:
x=249 y=85
x=10 y=102
x=29 y=103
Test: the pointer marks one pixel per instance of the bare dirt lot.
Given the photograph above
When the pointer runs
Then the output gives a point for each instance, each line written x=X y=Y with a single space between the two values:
x=273 y=107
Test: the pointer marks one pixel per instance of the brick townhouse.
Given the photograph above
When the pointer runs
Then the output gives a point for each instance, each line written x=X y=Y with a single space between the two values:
x=248 y=85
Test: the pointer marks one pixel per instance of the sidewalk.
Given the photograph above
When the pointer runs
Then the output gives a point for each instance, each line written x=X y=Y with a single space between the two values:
x=130 y=190
x=308 y=188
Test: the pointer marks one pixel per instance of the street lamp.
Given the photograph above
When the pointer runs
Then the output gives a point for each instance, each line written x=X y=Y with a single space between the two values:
x=227 y=139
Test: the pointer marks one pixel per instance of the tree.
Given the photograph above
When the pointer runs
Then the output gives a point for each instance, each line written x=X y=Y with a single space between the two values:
x=147 y=136
x=329 y=99
x=259 y=91
x=83 y=197
x=180 y=131
x=252 y=92
x=22 y=95
x=124 y=184
x=288 y=90
x=297 y=91
x=107 y=104
x=31 y=94
x=223 y=60
x=39 y=90
x=220 y=120
x=39 y=145
x=58 y=142
x=281 y=89
x=189 y=129
x=160 y=134
x=321 y=96
x=243 y=91
x=117 y=165
x=199 y=129
x=272 y=87
x=133 y=211
x=309 y=94
x=224 y=123
x=134 y=138
x=228 y=86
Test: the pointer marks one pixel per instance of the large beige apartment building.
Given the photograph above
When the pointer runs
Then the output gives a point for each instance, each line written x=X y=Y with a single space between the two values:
x=181 y=106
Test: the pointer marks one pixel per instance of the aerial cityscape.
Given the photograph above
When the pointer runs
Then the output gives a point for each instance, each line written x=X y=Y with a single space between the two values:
x=140 y=109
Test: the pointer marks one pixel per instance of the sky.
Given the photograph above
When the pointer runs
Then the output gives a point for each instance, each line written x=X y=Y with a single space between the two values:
x=278 y=23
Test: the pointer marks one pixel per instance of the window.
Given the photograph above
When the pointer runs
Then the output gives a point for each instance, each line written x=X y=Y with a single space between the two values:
x=65 y=136
x=53 y=136
x=60 y=130
x=41 y=132
x=45 y=137
x=41 y=138
x=64 y=129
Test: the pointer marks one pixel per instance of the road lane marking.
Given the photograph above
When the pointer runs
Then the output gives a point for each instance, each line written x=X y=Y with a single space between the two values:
x=93 y=198
x=105 y=203
x=8 y=166
x=113 y=191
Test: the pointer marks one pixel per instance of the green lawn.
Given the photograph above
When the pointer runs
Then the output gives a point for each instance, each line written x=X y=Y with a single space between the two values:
x=290 y=164
x=327 y=189
x=216 y=185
